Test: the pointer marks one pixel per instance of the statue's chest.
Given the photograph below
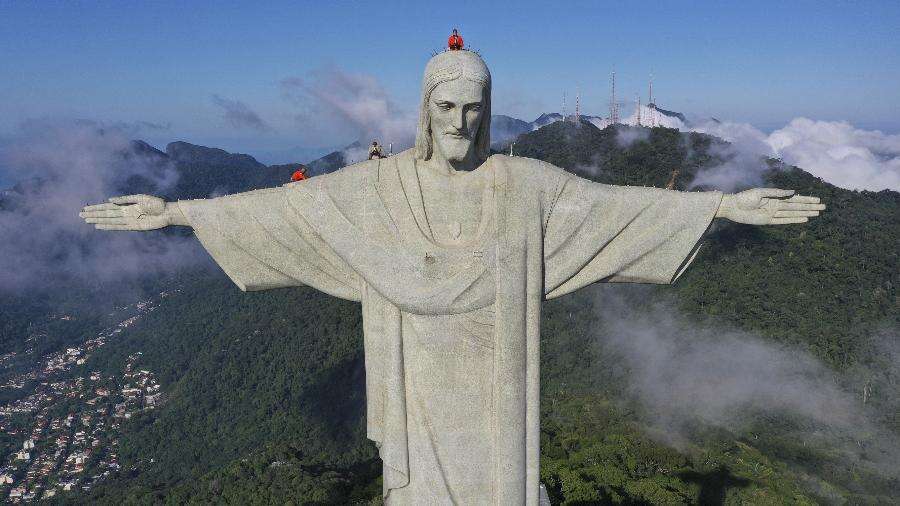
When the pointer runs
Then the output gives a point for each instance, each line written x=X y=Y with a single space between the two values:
x=442 y=263
x=453 y=216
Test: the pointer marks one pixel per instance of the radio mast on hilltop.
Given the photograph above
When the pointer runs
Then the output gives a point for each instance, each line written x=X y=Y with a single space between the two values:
x=613 y=106
x=652 y=120
x=577 y=118
x=564 y=106
x=637 y=98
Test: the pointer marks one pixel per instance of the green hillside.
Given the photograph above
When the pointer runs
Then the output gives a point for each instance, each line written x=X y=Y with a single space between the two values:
x=826 y=284
x=248 y=376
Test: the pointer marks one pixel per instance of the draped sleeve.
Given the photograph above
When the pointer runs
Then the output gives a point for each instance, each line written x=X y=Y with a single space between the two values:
x=262 y=242
x=597 y=232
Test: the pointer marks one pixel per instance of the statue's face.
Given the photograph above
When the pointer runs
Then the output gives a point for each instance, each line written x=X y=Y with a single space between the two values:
x=455 y=109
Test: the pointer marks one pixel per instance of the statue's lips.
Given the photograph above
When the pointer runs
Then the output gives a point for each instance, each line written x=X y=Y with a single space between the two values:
x=454 y=135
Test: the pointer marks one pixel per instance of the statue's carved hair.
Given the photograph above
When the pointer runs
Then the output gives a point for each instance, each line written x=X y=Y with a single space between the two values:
x=449 y=66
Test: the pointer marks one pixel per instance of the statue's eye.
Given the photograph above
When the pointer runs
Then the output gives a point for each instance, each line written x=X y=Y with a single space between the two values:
x=445 y=105
x=475 y=107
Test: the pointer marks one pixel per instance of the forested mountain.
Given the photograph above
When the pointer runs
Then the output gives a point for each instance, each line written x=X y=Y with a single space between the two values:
x=506 y=128
x=700 y=392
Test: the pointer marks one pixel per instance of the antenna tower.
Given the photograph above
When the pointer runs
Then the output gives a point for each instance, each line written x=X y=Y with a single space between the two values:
x=577 y=118
x=652 y=120
x=564 y=106
x=613 y=105
x=637 y=98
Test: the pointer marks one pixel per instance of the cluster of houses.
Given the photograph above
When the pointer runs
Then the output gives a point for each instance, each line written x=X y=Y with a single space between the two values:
x=72 y=451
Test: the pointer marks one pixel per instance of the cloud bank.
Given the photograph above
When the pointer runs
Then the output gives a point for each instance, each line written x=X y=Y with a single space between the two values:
x=64 y=165
x=354 y=102
x=684 y=374
x=239 y=114
x=835 y=151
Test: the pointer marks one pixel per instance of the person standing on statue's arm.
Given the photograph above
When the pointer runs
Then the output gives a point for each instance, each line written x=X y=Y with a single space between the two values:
x=451 y=252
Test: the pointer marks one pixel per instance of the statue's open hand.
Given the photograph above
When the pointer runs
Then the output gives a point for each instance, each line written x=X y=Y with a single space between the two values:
x=769 y=206
x=131 y=212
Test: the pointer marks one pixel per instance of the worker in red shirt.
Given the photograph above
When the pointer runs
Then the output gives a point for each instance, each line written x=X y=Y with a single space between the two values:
x=455 y=42
x=300 y=174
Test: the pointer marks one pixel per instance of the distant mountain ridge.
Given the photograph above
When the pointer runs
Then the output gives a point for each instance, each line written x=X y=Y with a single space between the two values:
x=505 y=129
x=187 y=153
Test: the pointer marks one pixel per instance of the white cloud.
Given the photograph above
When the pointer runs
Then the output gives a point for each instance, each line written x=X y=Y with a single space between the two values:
x=835 y=151
x=239 y=114
x=65 y=165
x=653 y=118
x=841 y=154
x=686 y=373
x=354 y=102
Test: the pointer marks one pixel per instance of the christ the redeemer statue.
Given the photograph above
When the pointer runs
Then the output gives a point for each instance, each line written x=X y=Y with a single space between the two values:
x=451 y=252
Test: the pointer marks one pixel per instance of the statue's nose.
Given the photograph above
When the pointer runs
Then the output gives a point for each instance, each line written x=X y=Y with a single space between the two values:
x=459 y=119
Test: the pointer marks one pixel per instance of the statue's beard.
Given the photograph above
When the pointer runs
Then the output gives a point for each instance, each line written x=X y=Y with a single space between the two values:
x=454 y=148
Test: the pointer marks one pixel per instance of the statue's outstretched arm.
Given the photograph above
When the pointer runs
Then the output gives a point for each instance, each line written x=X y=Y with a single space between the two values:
x=134 y=212
x=769 y=206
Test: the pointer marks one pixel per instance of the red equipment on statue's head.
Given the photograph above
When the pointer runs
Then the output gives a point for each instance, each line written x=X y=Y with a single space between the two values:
x=455 y=42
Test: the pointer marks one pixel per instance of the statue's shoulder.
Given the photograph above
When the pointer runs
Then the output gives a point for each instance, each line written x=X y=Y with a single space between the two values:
x=349 y=176
x=529 y=169
x=365 y=170
x=370 y=170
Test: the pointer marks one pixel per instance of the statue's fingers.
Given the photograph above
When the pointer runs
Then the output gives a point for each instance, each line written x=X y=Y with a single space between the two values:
x=107 y=221
x=794 y=214
x=803 y=199
x=100 y=207
x=129 y=199
x=783 y=205
x=787 y=221
x=775 y=192
x=111 y=213
x=101 y=226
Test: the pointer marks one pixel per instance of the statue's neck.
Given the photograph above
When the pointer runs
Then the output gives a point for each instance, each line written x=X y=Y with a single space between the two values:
x=439 y=165
x=453 y=201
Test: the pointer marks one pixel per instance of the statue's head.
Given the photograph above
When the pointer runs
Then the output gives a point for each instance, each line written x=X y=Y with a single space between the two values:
x=455 y=112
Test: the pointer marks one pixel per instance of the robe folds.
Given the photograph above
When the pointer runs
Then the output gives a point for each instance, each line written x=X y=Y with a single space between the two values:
x=451 y=333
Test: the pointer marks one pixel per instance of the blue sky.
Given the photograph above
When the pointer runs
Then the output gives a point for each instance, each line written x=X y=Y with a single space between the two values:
x=163 y=62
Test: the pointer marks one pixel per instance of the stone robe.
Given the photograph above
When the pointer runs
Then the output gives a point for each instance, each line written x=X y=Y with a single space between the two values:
x=452 y=332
